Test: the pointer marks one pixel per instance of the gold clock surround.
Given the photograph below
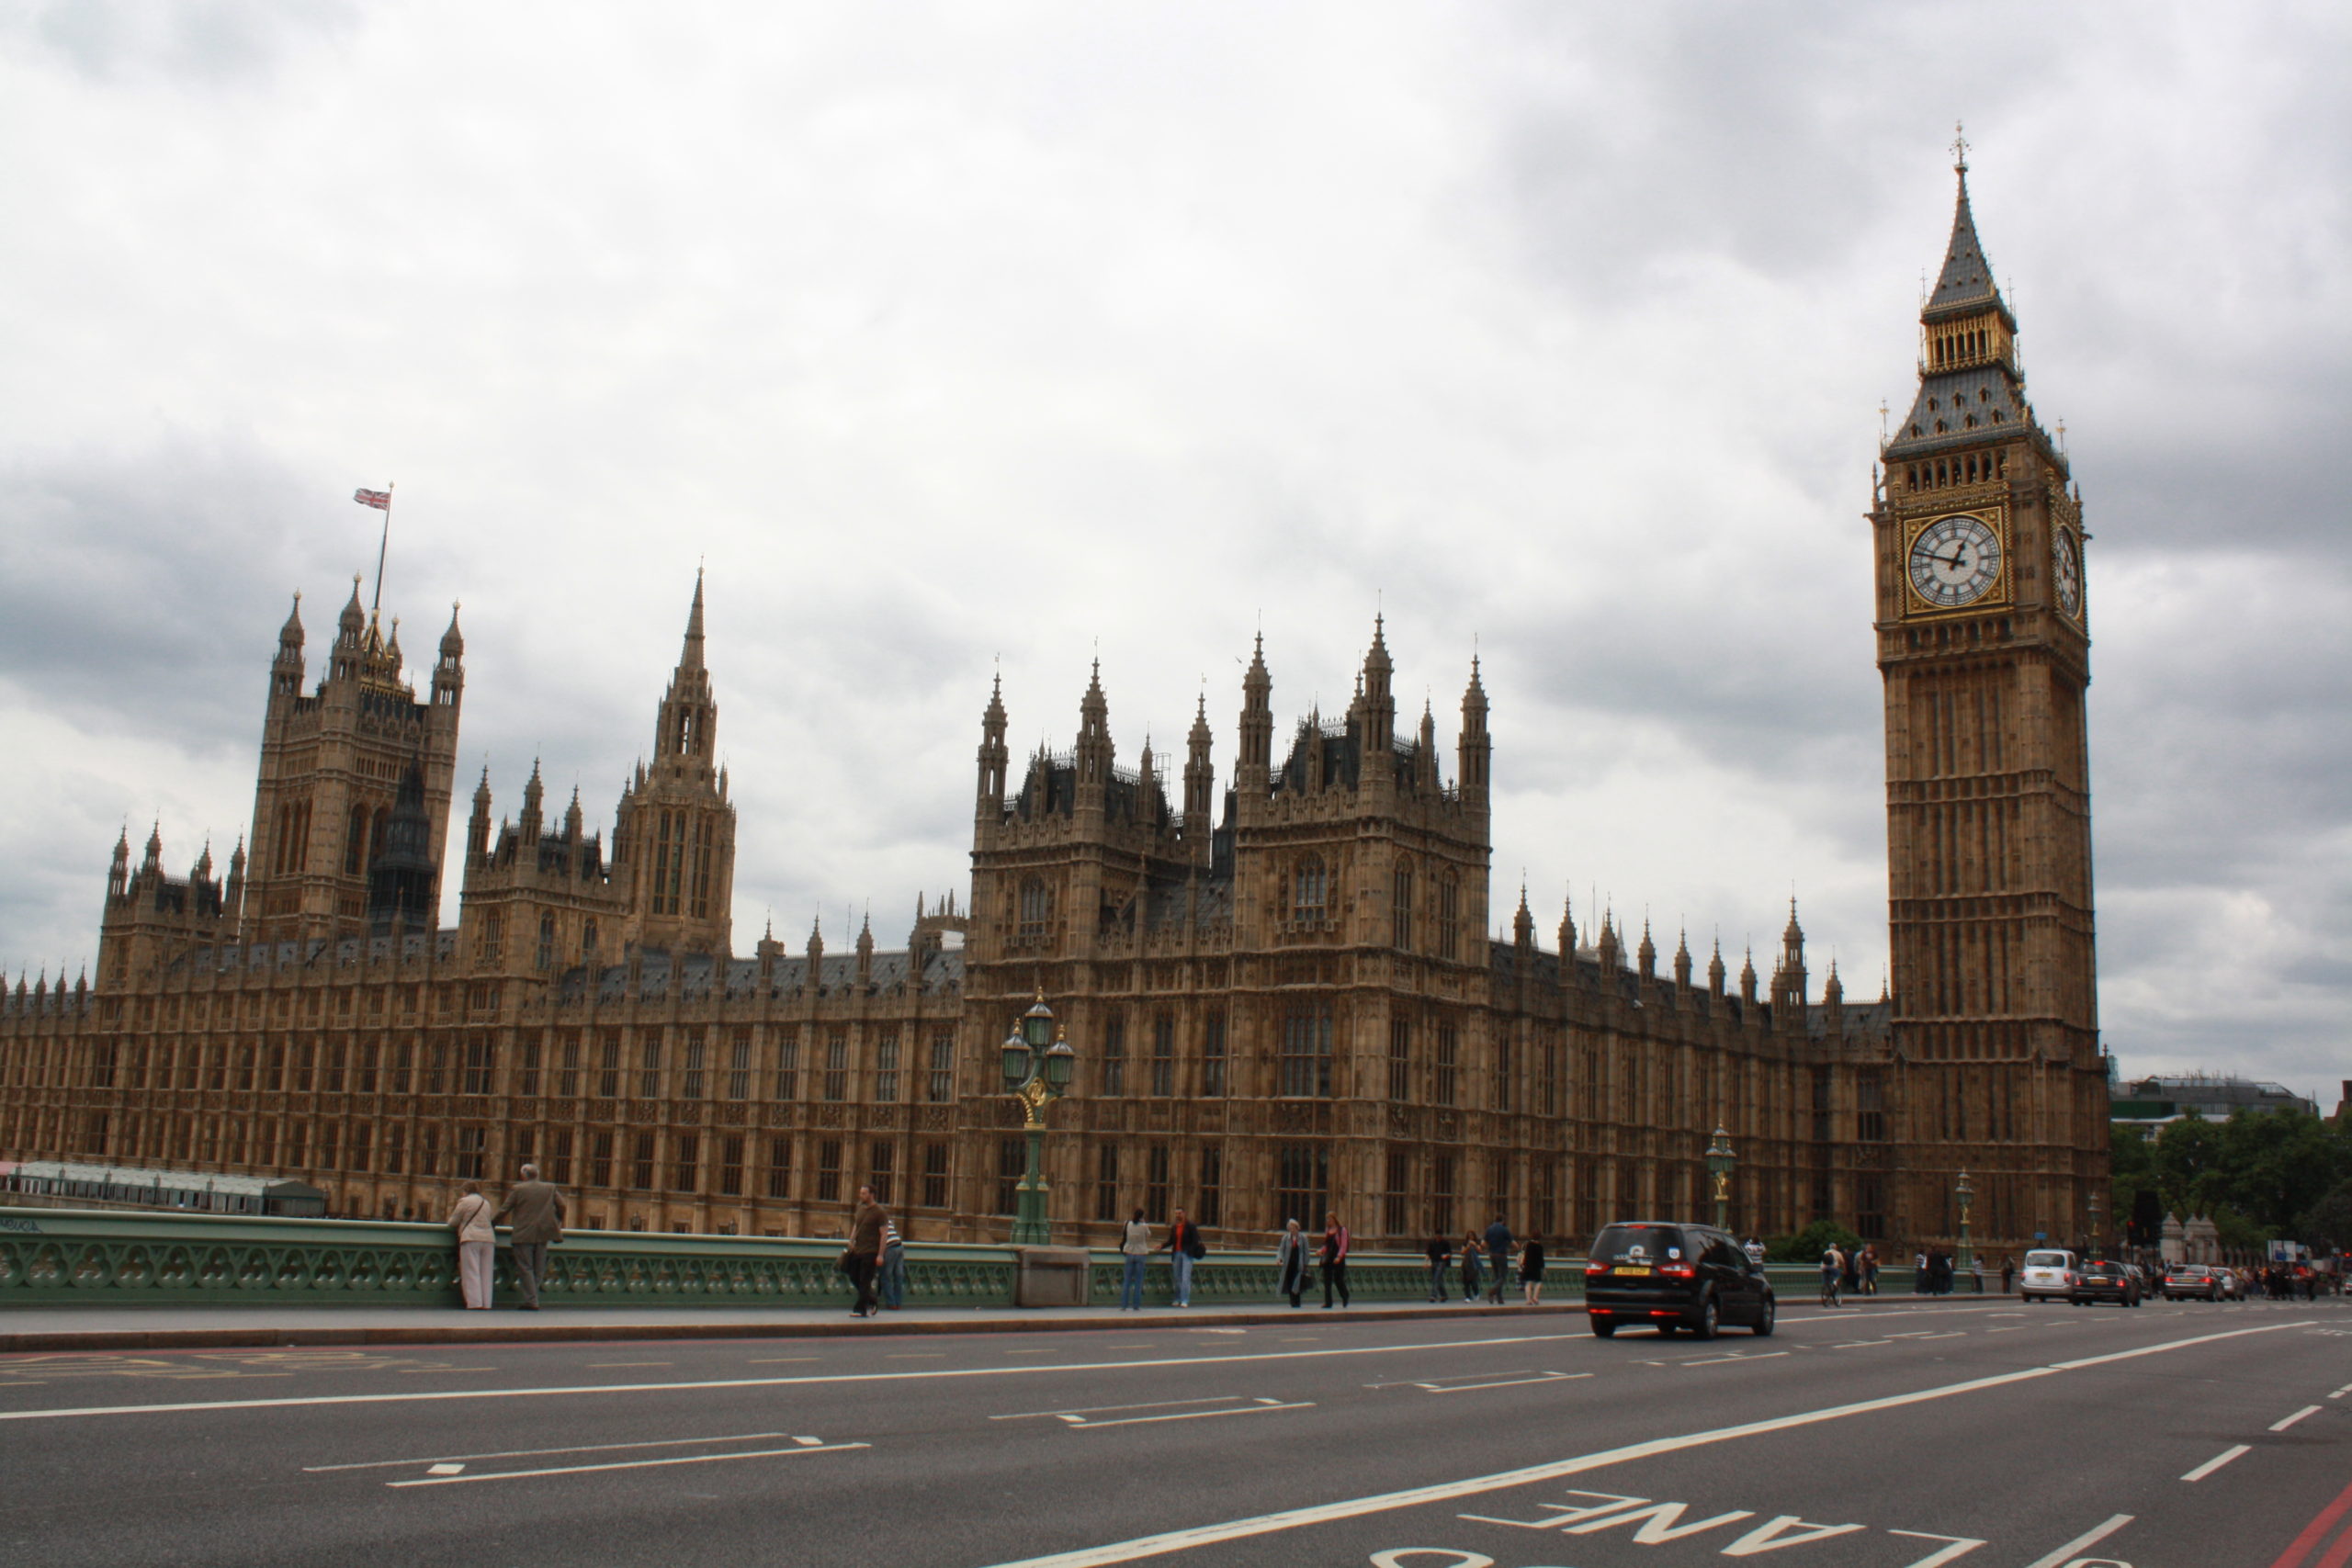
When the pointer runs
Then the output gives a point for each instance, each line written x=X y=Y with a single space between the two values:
x=2000 y=595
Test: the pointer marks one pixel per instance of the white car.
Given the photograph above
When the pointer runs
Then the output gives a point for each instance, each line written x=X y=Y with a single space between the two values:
x=2049 y=1275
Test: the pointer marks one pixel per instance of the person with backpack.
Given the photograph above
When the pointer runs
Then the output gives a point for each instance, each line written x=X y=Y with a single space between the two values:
x=1184 y=1248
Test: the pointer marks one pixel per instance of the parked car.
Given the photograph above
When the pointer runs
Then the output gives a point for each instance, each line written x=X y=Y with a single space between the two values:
x=2104 y=1279
x=2190 y=1280
x=1671 y=1277
x=2048 y=1275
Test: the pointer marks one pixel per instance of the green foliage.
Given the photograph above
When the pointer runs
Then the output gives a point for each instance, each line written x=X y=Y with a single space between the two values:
x=1809 y=1244
x=2328 y=1223
x=2259 y=1174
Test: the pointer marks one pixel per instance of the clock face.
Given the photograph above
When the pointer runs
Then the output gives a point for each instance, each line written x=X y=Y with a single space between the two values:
x=2067 y=568
x=1955 y=560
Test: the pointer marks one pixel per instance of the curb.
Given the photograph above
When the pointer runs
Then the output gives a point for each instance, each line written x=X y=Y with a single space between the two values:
x=277 y=1337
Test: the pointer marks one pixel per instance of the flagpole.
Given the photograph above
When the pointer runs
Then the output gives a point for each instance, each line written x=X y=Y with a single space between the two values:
x=382 y=541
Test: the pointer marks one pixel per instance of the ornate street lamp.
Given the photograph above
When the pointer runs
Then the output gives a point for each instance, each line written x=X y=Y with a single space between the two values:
x=1720 y=1161
x=1967 y=1195
x=1037 y=1067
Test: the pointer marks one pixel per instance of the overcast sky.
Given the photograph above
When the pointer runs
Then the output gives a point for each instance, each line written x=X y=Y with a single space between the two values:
x=961 y=338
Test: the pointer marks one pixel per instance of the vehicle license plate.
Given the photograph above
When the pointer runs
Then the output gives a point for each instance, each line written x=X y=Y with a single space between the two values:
x=1624 y=1268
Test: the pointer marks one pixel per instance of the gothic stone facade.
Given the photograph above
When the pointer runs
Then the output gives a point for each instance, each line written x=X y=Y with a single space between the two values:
x=1285 y=993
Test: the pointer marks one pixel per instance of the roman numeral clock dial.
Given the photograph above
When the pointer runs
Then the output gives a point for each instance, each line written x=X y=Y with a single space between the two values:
x=1955 y=560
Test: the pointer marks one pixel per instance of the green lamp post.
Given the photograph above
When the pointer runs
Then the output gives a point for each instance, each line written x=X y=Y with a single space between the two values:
x=1967 y=1195
x=1720 y=1161
x=1037 y=1067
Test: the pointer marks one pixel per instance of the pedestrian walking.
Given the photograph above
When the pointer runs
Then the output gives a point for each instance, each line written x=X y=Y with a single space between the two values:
x=1530 y=1270
x=1833 y=1274
x=1499 y=1243
x=1470 y=1270
x=1135 y=1247
x=868 y=1225
x=2008 y=1272
x=1976 y=1272
x=1335 y=1260
x=1290 y=1262
x=477 y=1247
x=1850 y=1277
x=1184 y=1248
x=1439 y=1253
x=1870 y=1270
x=1919 y=1274
x=535 y=1209
x=890 y=1283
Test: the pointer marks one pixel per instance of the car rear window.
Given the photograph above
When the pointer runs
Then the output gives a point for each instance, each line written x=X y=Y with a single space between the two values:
x=1647 y=1244
x=2045 y=1260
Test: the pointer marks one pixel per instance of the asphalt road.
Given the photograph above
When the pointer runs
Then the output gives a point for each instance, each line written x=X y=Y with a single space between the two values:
x=1902 y=1436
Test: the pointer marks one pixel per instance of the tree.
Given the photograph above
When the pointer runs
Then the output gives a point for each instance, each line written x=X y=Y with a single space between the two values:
x=2328 y=1223
x=1809 y=1244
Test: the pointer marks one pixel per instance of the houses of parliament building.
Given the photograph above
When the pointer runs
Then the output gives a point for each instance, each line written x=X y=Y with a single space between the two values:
x=1284 y=988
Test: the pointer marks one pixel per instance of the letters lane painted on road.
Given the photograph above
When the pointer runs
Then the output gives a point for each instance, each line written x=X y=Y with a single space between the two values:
x=1201 y=1536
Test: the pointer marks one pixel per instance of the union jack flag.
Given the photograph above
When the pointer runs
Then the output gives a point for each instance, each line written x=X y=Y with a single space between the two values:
x=381 y=500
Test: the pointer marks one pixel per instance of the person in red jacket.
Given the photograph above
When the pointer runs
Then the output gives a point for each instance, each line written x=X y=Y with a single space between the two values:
x=1184 y=1248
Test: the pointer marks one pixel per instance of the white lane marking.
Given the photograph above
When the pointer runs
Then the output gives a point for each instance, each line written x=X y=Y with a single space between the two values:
x=1857 y=1343
x=1743 y=1356
x=1507 y=1382
x=2341 y=1392
x=1960 y=1546
x=1113 y=1409
x=807 y=1379
x=542 y=1453
x=2089 y=1538
x=2216 y=1463
x=446 y=1470
x=2306 y=1410
x=1442 y=1491
x=604 y=1364
x=1079 y=1424
x=623 y=1464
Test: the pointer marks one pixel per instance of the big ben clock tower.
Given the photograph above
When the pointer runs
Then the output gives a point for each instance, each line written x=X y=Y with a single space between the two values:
x=1984 y=647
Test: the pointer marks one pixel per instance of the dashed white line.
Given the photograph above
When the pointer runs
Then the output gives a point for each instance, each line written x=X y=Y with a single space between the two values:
x=2089 y=1538
x=2216 y=1463
x=625 y=1464
x=542 y=1453
x=2306 y=1410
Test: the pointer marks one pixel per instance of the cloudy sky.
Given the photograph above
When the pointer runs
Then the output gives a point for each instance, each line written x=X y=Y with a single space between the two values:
x=956 y=339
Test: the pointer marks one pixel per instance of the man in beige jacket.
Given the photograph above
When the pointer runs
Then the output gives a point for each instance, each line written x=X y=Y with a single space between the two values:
x=537 y=1211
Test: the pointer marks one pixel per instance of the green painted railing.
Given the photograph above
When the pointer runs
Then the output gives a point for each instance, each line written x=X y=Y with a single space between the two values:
x=75 y=1257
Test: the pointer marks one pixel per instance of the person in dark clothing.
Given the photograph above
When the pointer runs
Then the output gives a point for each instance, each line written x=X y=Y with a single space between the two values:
x=867 y=1226
x=1184 y=1248
x=1440 y=1252
x=1470 y=1255
x=1335 y=1260
x=536 y=1209
x=1499 y=1258
x=1531 y=1269
x=1290 y=1262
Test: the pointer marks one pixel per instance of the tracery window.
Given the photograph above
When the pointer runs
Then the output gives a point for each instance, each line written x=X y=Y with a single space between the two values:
x=1309 y=888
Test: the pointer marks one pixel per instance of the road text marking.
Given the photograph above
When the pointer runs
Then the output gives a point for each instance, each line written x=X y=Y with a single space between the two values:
x=1295 y=1518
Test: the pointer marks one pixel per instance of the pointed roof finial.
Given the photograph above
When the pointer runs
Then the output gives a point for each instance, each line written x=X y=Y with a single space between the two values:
x=691 y=655
x=1960 y=149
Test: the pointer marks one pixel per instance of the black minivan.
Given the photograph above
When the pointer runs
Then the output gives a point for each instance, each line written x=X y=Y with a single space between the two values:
x=1672 y=1276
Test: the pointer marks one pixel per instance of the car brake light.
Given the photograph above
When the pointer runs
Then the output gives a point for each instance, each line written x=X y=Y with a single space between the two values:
x=1678 y=1271
x=1596 y=1268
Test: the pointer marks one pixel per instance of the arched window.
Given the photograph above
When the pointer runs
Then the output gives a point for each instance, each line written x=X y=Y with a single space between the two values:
x=1308 y=889
x=1036 y=911
x=355 y=843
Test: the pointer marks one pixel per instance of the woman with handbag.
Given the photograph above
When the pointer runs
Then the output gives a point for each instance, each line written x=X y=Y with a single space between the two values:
x=477 y=1245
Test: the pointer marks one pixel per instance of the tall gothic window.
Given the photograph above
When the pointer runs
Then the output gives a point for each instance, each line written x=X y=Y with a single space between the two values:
x=1449 y=914
x=1400 y=908
x=1163 y=1056
x=1213 y=1056
x=1306 y=1051
x=1400 y=1060
x=1036 y=911
x=669 y=860
x=1302 y=1185
x=704 y=835
x=1309 y=890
